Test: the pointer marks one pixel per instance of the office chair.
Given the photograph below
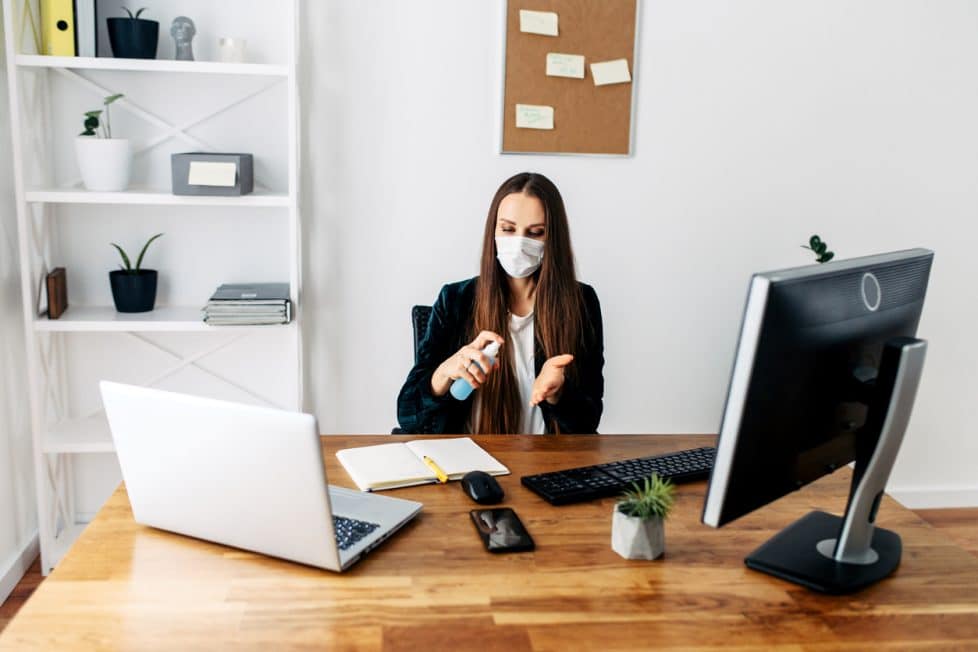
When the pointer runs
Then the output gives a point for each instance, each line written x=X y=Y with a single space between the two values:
x=419 y=324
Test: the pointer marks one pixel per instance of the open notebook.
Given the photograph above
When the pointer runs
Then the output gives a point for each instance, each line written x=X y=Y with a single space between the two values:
x=388 y=466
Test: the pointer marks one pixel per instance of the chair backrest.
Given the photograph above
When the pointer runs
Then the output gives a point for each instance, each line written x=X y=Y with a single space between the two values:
x=419 y=322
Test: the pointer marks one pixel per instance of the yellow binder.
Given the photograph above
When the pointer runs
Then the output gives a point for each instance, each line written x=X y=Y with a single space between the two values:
x=58 y=27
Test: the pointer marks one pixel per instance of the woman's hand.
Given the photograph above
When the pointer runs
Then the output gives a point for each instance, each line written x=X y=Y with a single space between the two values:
x=550 y=382
x=460 y=365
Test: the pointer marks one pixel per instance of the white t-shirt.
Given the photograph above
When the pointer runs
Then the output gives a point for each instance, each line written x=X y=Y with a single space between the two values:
x=522 y=354
x=521 y=331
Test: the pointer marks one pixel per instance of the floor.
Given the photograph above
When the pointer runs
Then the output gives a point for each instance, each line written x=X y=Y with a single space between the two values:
x=959 y=524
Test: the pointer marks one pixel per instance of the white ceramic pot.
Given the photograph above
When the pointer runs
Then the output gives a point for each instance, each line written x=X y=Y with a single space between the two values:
x=105 y=163
x=633 y=538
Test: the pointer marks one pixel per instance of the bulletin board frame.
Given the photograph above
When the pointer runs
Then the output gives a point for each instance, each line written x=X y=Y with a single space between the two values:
x=588 y=120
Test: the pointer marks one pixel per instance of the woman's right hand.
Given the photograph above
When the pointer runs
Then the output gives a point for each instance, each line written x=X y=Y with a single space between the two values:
x=460 y=365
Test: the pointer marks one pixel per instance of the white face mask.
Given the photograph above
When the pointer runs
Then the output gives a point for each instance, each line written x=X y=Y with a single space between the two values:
x=519 y=256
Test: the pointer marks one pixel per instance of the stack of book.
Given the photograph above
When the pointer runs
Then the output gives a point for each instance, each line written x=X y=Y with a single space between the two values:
x=249 y=304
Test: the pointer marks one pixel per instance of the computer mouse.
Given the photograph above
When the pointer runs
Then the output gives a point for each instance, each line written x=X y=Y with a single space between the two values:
x=482 y=488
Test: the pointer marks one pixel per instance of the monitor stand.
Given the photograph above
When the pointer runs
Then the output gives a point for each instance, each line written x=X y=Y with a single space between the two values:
x=843 y=555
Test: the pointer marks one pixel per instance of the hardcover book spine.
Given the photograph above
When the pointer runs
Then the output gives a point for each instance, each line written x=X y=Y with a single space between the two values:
x=57 y=287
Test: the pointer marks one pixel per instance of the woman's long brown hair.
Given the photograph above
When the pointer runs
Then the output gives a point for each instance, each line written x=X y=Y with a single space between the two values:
x=558 y=305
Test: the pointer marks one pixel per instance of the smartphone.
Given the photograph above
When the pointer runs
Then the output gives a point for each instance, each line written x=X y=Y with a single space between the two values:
x=501 y=530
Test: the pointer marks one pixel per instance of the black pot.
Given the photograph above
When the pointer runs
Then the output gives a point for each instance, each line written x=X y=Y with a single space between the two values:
x=133 y=38
x=133 y=292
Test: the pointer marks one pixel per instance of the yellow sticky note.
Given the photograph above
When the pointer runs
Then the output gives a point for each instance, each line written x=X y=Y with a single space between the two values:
x=565 y=65
x=610 y=72
x=538 y=22
x=212 y=173
x=533 y=116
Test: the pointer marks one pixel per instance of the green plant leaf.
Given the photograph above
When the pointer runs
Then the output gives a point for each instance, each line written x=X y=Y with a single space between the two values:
x=820 y=249
x=140 y=12
x=814 y=241
x=139 y=261
x=93 y=114
x=826 y=257
x=112 y=98
x=126 y=9
x=654 y=498
x=125 y=258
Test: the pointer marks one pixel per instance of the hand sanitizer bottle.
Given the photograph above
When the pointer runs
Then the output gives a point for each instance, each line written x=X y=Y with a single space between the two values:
x=461 y=389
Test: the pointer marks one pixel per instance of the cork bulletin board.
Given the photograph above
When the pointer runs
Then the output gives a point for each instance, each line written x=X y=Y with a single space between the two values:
x=586 y=118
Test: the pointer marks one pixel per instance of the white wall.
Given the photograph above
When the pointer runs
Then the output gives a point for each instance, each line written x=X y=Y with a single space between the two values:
x=758 y=123
x=18 y=521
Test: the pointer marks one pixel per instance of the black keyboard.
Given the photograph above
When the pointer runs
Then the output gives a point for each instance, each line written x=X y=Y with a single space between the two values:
x=613 y=478
x=349 y=530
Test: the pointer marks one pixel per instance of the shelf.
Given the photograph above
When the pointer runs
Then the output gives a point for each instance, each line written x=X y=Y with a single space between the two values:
x=63 y=543
x=152 y=65
x=101 y=319
x=150 y=197
x=89 y=435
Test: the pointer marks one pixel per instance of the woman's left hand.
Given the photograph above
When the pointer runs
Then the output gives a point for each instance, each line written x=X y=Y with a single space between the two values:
x=551 y=380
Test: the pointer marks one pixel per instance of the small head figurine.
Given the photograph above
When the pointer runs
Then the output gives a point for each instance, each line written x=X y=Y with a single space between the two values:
x=182 y=30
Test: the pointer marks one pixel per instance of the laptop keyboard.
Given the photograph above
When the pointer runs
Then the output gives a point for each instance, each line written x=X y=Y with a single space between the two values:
x=349 y=530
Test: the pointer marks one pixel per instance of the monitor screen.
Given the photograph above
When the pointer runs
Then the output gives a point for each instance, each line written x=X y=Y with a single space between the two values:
x=809 y=349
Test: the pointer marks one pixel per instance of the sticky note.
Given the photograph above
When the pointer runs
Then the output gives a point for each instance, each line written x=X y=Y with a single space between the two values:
x=538 y=22
x=211 y=173
x=610 y=72
x=532 y=116
x=565 y=65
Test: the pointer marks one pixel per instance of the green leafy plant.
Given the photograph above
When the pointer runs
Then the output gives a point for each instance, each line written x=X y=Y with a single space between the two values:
x=136 y=15
x=822 y=253
x=127 y=267
x=93 y=122
x=654 y=498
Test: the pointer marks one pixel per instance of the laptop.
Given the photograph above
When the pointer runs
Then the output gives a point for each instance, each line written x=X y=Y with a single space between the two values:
x=244 y=476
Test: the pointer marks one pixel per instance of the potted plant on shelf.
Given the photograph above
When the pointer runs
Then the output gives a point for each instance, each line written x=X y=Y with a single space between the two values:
x=105 y=162
x=134 y=288
x=133 y=37
x=637 y=525
x=822 y=253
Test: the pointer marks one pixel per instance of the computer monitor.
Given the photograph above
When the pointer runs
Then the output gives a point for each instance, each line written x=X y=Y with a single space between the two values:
x=825 y=374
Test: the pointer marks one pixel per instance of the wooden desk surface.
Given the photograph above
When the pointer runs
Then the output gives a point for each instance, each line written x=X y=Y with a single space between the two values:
x=128 y=587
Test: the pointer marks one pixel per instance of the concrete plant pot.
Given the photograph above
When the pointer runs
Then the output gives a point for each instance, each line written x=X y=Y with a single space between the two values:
x=633 y=538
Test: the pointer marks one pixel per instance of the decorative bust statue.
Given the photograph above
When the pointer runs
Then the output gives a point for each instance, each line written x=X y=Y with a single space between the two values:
x=182 y=30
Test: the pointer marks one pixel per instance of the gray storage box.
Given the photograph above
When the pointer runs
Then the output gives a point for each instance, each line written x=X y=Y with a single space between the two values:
x=201 y=173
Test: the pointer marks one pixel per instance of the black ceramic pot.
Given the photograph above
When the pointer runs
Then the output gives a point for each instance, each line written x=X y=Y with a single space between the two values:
x=133 y=38
x=133 y=292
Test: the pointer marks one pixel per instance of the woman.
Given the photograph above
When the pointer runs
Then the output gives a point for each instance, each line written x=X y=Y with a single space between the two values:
x=548 y=372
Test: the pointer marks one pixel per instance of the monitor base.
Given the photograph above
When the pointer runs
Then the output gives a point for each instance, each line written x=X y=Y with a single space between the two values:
x=792 y=555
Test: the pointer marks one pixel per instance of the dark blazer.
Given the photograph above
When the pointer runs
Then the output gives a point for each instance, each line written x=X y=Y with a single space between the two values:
x=420 y=412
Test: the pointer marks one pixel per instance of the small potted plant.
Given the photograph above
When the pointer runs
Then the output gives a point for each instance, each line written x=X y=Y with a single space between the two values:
x=105 y=162
x=822 y=253
x=134 y=288
x=637 y=524
x=133 y=37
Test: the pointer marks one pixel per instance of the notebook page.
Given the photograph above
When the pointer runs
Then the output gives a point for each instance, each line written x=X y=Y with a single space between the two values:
x=384 y=466
x=457 y=456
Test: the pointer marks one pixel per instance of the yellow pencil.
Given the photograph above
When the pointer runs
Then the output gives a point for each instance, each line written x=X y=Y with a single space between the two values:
x=442 y=477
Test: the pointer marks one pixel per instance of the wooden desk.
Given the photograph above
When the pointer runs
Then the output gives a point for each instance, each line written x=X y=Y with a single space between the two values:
x=128 y=587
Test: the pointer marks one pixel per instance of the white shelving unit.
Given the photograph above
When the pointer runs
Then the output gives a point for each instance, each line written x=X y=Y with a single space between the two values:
x=151 y=65
x=50 y=201
x=150 y=197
